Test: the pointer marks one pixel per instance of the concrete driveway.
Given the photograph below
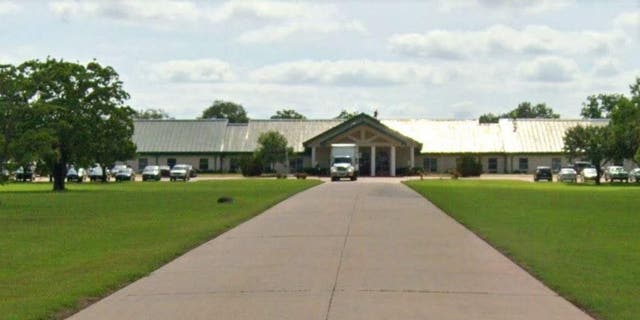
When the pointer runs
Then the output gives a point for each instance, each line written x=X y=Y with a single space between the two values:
x=348 y=250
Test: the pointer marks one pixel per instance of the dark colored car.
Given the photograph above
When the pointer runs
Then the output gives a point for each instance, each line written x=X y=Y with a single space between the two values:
x=23 y=174
x=613 y=173
x=151 y=173
x=165 y=171
x=543 y=173
x=126 y=174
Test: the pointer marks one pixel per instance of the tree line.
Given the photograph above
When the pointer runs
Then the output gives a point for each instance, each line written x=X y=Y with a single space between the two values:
x=619 y=139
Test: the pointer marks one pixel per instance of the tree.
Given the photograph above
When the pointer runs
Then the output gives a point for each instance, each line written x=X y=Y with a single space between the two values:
x=234 y=112
x=78 y=111
x=592 y=143
x=489 y=118
x=287 y=114
x=600 y=106
x=524 y=110
x=346 y=115
x=151 y=114
x=272 y=148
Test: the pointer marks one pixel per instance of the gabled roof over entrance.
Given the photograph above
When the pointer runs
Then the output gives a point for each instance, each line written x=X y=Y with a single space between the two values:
x=362 y=119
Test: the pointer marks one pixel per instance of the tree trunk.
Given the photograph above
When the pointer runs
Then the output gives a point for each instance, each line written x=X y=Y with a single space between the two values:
x=104 y=174
x=59 y=174
x=598 y=174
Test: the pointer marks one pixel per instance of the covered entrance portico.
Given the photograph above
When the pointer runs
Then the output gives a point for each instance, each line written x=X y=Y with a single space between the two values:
x=381 y=150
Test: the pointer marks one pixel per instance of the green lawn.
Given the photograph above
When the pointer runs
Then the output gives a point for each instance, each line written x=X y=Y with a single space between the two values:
x=59 y=251
x=581 y=240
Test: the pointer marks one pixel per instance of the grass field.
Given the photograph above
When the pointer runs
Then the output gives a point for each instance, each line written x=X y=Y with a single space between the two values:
x=583 y=241
x=59 y=251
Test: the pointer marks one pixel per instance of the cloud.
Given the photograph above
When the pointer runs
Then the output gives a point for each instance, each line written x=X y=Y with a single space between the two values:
x=202 y=70
x=549 y=69
x=350 y=73
x=500 y=39
x=157 y=12
x=628 y=21
x=606 y=67
x=282 y=20
x=8 y=7
x=279 y=32
x=527 y=6
x=268 y=21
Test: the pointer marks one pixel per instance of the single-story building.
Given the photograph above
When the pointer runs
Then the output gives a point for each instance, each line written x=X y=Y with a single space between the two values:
x=386 y=146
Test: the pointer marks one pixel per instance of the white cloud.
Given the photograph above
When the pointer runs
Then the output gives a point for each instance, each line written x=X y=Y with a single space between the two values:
x=528 y=6
x=628 y=21
x=269 y=21
x=8 y=7
x=606 y=67
x=549 y=69
x=202 y=70
x=351 y=73
x=156 y=12
x=282 y=20
x=278 y=32
x=500 y=39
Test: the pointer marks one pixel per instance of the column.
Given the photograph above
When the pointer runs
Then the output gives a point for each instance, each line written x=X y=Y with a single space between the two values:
x=413 y=157
x=393 y=161
x=313 y=156
x=373 y=161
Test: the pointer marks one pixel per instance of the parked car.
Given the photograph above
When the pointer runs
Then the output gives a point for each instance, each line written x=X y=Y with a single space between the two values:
x=634 y=175
x=24 y=174
x=76 y=174
x=543 y=173
x=151 y=173
x=589 y=174
x=95 y=174
x=567 y=175
x=126 y=174
x=117 y=168
x=613 y=173
x=578 y=166
x=165 y=171
x=180 y=172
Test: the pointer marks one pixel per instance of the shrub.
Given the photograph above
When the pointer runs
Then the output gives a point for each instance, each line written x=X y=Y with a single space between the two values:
x=250 y=166
x=469 y=166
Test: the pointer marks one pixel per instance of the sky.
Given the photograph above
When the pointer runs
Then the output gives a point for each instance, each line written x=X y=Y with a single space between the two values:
x=454 y=59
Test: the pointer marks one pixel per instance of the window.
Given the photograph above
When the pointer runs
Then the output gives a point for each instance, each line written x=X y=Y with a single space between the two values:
x=430 y=164
x=295 y=165
x=142 y=162
x=171 y=162
x=234 y=164
x=523 y=164
x=556 y=164
x=493 y=165
x=204 y=164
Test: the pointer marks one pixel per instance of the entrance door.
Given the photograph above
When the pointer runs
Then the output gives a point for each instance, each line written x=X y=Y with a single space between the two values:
x=382 y=162
x=365 y=162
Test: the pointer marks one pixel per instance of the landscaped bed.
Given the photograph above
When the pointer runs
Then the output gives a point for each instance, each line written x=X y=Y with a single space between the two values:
x=583 y=241
x=59 y=251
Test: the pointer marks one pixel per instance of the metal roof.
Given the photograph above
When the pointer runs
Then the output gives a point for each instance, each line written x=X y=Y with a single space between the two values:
x=450 y=136
x=436 y=136
x=296 y=132
x=179 y=135
x=539 y=135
